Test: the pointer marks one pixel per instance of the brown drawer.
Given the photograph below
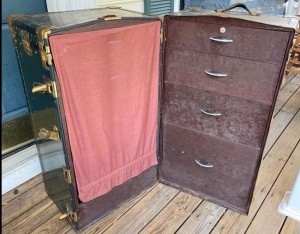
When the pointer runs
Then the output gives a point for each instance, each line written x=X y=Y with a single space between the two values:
x=225 y=172
x=244 y=78
x=242 y=121
x=248 y=43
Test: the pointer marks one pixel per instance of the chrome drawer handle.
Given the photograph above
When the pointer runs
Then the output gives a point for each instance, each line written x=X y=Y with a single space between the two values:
x=203 y=163
x=215 y=113
x=215 y=74
x=221 y=39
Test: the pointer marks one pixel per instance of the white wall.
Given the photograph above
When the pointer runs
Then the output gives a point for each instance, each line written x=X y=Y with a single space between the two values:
x=69 y=5
x=19 y=168
x=134 y=5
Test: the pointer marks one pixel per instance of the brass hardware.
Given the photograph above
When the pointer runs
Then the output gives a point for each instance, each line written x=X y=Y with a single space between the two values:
x=49 y=135
x=63 y=216
x=10 y=21
x=12 y=32
x=72 y=216
x=49 y=87
x=42 y=88
x=67 y=175
x=25 y=37
x=254 y=13
x=46 y=56
x=111 y=17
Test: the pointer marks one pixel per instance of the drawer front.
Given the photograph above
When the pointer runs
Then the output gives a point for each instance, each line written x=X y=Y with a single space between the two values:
x=248 y=43
x=236 y=119
x=228 y=170
x=231 y=76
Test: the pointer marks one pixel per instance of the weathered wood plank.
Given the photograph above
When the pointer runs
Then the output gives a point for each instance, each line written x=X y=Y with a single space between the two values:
x=275 y=220
x=67 y=230
x=22 y=203
x=290 y=227
x=52 y=225
x=173 y=215
x=7 y=197
x=284 y=95
x=287 y=79
x=279 y=123
x=293 y=105
x=139 y=215
x=112 y=218
x=203 y=219
x=271 y=166
x=296 y=80
x=32 y=218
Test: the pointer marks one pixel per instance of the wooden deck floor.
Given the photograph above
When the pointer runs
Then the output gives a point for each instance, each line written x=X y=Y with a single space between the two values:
x=163 y=209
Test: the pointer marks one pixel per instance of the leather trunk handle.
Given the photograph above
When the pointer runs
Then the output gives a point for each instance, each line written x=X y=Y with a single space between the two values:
x=238 y=5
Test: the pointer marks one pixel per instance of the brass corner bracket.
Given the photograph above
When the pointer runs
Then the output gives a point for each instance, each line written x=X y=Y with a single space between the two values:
x=10 y=21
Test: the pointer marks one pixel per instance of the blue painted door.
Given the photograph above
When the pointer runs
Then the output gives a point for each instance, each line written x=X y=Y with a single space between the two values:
x=14 y=103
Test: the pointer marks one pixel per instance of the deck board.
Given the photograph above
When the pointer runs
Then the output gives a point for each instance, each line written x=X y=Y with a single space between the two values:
x=144 y=211
x=290 y=226
x=52 y=225
x=22 y=203
x=21 y=189
x=173 y=215
x=203 y=219
x=162 y=209
x=287 y=91
x=273 y=223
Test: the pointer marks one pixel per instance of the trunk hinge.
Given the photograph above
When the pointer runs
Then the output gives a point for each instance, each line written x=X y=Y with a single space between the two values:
x=70 y=215
x=44 y=48
x=67 y=175
x=45 y=134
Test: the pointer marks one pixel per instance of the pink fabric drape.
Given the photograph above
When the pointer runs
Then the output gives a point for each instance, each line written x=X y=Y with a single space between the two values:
x=109 y=86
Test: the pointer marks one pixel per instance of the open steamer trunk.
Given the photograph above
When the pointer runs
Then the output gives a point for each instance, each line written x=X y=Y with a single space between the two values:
x=117 y=107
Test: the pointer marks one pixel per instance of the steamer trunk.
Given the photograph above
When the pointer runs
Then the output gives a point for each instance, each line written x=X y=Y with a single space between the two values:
x=120 y=101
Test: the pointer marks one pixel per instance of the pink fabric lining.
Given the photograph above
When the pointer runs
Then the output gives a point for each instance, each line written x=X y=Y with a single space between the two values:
x=109 y=85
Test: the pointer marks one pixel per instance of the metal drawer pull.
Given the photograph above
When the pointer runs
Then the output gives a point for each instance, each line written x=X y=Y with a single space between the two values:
x=221 y=39
x=215 y=74
x=203 y=163
x=215 y=113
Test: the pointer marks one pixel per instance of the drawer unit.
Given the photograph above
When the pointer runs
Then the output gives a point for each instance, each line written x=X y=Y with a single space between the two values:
x=211 y=167
x=120 y=101
x=231 y=76
x=232 y=118
x=222 y=39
